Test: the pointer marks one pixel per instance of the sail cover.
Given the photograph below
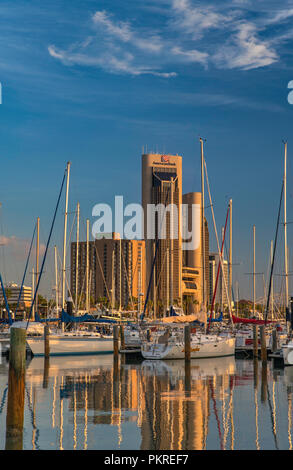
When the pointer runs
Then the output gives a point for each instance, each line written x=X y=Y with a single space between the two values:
x=250 y=321
x=200 y=316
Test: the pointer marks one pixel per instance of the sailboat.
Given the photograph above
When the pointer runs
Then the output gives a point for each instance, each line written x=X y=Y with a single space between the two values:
x=72 y=343
x=170 y=345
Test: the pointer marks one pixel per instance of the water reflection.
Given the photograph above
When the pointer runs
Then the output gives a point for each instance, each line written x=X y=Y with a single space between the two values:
x=95 y=403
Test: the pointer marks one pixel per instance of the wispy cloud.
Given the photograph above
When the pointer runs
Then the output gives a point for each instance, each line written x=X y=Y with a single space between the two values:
x=122 y=63
x=196 y=20
x=191 y=55
x=245 y=50
x=123 y=31
x=119 y=51
x=230 y=35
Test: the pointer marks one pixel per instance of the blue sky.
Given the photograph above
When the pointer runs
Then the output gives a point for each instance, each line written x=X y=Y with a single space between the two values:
x=94 y=81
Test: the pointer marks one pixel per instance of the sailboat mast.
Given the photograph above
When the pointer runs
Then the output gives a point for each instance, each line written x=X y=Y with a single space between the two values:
x=56 y=280
x=113 y=281
x=77 y=258
x=168 y=277
x=285 y=226
x=172 y=244
x=272 y=298
x=33 y=290
x=202 y=225
x=87 y=266
x=120 y=276
x=230 y=252
x=222 y=283
x=139 y=294
x=64 y=237
x=154 y=283
x=37 y=262
x=253 y=269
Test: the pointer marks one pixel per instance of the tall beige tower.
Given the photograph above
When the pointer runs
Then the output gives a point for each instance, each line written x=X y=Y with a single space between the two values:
x=162 y=184
x=192 y=271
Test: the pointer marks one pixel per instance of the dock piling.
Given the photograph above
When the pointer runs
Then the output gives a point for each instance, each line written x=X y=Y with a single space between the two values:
x=263 y=343
x=16 y=388
x=274 y=340
x=122 y=345
x=255 y=340
x=187 y=342
x=115 y=341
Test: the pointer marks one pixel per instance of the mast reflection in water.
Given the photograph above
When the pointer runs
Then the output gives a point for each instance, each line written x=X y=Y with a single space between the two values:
x=93 y=403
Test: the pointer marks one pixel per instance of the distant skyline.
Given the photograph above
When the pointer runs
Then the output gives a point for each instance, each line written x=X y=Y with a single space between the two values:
x=97 y=82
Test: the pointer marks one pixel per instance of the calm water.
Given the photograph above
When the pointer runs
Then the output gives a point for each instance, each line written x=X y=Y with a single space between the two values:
x=86 y=403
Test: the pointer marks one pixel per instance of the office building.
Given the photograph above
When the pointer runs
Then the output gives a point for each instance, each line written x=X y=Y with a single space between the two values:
x=192 y=270
x=116 y=271
x=162 y=185
x=12 y=293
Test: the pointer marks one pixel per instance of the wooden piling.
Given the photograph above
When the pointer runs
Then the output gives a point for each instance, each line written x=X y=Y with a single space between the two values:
x=255 y=340
x=16 y=388
x=122 y=340
x=47 y=341
x=115 y=341
x=274 y=340
x=263 y=343
x=187 y=342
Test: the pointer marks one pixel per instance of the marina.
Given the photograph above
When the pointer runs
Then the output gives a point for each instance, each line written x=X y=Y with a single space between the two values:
x=146 y=293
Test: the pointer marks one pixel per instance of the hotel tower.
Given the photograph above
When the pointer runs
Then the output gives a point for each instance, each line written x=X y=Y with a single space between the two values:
x=162 y=185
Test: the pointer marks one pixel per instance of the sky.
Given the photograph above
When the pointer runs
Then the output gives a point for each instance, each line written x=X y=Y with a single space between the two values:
x=94 y=82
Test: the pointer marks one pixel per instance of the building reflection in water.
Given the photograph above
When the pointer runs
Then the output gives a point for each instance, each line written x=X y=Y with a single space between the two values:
x=154 y=405
x=171 y=408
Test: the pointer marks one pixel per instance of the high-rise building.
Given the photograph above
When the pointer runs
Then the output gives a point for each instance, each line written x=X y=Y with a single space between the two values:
x=192 y=270
x=162 y=186
x=78 y=271
x=221 y=295
x=116 y=270
x=120 y=273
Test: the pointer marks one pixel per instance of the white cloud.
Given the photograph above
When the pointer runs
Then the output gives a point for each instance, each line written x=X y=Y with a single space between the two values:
x=230 y=35
x=195 y=20
x=123 y=64
x=120 y=30
x=245 y=50
x=123 y=31
x=190 y=55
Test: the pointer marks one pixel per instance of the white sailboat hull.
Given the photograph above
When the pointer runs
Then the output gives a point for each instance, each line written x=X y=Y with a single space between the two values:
x=71 y=345
x=288 y=354
x=218 y=348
